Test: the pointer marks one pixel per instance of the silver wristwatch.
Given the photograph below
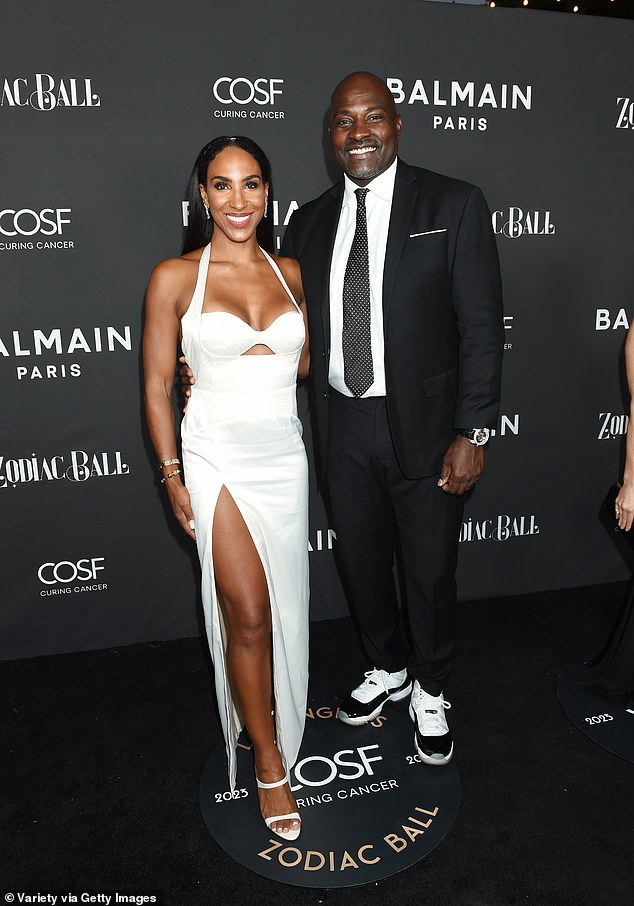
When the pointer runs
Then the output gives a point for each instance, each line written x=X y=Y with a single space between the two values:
x=476 y=436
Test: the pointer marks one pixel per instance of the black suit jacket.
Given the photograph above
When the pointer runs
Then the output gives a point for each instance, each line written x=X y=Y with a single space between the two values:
x=442 y=312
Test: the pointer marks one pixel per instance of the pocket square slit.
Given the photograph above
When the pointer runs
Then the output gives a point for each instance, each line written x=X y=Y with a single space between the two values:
x=427 y=233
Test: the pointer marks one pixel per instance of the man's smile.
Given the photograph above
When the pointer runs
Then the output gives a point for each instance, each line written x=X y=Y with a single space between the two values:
x=366 y=149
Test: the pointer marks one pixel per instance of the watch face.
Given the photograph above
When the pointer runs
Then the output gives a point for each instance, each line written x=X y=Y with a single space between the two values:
x=477 y=436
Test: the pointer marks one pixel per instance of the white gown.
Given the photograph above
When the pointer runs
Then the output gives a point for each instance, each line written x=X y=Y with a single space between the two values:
x=241 y=430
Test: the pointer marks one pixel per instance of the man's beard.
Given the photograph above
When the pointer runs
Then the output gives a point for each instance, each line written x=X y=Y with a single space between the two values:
x=366 y=174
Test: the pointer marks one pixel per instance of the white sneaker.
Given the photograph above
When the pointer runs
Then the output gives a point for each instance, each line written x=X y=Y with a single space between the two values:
x=366 y=701
x=432 y=737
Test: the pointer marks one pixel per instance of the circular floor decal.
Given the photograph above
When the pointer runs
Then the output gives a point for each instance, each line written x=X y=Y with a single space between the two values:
x=369 y=807
x=605 y=720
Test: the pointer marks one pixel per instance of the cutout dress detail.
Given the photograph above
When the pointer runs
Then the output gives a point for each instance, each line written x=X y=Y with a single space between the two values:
x=241 y=430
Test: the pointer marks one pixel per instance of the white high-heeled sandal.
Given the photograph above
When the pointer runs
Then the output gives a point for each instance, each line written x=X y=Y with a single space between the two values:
x=285 y=835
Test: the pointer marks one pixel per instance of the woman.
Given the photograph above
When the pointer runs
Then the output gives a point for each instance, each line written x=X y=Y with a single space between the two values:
x=611 y=671
x=624 y=504
x=241 y=319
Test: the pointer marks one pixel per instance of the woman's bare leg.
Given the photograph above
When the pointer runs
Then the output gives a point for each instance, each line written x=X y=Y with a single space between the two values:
x=244 y=599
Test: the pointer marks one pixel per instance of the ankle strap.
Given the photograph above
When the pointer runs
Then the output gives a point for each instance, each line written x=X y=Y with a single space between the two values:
x=270 y=786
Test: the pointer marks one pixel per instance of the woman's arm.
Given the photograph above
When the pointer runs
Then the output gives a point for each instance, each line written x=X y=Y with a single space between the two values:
x=625 y=498
x=160 y=340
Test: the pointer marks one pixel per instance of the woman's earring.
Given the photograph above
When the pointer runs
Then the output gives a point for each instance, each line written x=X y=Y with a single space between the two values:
x=266 y=206
x=206 y=210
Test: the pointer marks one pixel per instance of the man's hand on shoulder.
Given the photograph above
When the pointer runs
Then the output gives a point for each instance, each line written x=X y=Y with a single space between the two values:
x=293 y=275
x=462 y=466
x=187 y=379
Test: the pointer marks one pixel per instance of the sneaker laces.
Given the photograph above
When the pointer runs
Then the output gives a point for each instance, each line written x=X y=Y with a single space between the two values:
x=430 y=713
x=373 y=683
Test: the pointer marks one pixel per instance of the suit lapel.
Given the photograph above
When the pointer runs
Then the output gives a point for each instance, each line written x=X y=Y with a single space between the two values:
x=329 y=222
x=403 y=203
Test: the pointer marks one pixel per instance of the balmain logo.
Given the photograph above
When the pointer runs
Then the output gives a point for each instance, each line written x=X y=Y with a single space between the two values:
x=605 y=321
x=467 y=94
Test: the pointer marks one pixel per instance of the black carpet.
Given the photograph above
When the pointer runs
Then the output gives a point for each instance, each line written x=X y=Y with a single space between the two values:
x=104 y=750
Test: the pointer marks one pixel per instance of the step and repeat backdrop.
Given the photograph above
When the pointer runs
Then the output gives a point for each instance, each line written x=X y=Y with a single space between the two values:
x=103 y=109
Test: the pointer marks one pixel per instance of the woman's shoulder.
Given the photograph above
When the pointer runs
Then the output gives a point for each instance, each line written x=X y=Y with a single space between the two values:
x=174 y=271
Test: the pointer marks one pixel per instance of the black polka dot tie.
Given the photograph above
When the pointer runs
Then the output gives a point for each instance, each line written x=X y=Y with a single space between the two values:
x=358 y=372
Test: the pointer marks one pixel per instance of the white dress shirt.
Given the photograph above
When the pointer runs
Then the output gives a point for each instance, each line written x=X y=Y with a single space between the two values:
x=378 y=203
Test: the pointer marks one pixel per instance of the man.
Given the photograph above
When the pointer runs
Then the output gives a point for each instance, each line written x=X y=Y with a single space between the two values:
x=404 y=307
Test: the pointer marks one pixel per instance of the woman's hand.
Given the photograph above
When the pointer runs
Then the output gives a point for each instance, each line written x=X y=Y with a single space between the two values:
x=179 y=498
x=624 y=506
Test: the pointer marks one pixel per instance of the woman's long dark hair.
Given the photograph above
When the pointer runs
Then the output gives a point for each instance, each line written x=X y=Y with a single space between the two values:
x=199 y=229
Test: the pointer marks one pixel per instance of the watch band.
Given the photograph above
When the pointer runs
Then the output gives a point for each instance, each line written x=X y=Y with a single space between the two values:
x=476 y=436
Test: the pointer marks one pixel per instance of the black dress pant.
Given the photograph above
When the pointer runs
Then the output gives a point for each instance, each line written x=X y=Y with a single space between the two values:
x=378 y=512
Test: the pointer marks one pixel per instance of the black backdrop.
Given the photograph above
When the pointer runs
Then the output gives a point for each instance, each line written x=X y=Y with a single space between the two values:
x=102 y=112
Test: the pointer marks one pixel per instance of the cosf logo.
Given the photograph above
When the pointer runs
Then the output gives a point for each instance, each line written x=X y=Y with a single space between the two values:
x=66 y=571
x=244 y=91
x=47 y=93
x=26 y=222
x=322 y=770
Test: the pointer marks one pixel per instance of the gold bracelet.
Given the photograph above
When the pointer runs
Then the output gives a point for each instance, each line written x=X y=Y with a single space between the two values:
x=169 y=462
x=170 y=475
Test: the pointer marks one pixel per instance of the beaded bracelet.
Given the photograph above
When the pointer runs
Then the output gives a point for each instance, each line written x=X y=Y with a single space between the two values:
x=169 y=462
x=170 y=475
